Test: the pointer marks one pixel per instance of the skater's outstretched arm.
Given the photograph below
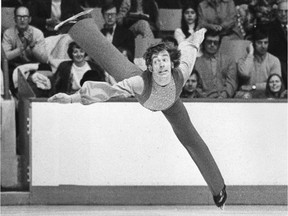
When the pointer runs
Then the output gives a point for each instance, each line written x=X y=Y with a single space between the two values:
x=189 y=49
x=91 y=40
x=92 y=92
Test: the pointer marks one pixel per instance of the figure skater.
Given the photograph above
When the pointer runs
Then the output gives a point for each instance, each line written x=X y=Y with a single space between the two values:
x=157 y=89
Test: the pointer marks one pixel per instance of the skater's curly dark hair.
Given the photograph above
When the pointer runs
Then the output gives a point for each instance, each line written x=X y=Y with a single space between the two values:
x=173 y=52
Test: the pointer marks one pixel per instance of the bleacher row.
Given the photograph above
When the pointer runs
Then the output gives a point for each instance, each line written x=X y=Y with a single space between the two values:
x=170 y=18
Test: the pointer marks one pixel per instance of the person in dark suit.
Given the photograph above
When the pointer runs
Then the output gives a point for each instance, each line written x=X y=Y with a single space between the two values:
x=46 y=14
x=116 y=34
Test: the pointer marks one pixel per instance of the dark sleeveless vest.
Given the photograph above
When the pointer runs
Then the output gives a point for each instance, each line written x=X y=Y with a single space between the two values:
x=150 y=90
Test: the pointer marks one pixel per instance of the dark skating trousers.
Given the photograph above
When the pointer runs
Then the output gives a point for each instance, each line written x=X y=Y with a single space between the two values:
x=179 y=119
x=88 y=36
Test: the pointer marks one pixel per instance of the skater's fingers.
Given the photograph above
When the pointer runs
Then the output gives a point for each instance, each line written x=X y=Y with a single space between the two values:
x=57 y=97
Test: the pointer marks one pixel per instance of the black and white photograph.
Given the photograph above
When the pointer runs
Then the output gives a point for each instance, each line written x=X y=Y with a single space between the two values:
x=144 y=107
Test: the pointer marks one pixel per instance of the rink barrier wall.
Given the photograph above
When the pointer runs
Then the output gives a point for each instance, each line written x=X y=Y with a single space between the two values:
x=262 y=189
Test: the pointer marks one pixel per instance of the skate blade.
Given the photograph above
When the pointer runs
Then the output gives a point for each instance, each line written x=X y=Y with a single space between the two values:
x=222 y=207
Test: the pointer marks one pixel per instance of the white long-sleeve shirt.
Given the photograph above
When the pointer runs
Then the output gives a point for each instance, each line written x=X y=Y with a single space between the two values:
x=92 y=92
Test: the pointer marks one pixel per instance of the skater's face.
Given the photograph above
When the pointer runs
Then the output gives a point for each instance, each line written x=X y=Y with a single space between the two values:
x=110 y=16
x=161 y=68
x=275 y=84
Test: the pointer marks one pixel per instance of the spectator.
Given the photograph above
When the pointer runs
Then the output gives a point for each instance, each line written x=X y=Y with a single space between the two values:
x=116 y=34
x=256 y=66
x=282 y=13
x=126 y=53
x=46 y=14
x=220 y=16
x=189 y=21
x=264 y=12
x=193 y=87
x=280 y=50
x=170 y=41
x=218 y=71
x=275 y=87
x=277 y=33
x=23 y=43
x=245 y=19
x=69 y=73
x=141 y=17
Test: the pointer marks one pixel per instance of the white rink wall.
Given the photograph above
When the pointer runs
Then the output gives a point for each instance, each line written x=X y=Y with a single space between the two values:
x=118 y=143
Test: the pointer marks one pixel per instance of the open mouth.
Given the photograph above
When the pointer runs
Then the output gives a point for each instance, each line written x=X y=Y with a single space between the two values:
x=163 y=72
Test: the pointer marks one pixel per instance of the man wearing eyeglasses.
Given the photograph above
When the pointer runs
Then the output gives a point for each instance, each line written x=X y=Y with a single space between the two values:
x=217 y=70
x=119 y=36
x=23 y=43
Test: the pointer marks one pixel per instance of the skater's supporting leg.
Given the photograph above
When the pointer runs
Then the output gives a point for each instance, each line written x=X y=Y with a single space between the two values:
x=179 y=119
x=91 y=40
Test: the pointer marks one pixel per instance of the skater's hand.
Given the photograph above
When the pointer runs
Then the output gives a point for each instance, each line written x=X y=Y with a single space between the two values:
x=60 y=98
x=198 y=37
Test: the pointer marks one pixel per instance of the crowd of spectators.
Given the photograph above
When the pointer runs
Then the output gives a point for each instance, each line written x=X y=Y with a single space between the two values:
x=259 y=71
x=243 y=55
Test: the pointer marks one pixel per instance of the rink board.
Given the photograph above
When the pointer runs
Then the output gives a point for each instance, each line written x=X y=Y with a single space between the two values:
x=120 y=153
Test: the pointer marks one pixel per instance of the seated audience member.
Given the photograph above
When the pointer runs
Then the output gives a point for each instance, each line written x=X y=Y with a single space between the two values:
x=46 y=14
x=170 y=41
x=256 y=66
x=126 y=53
x=277 y=33
x=89 y=76
x=245 y=19
x=141 y=17
x=23 y=43
x=193 y=87
x=217 y=70
x=264 y=12
x=189 y=22
x=275 y=87
x=69 y=73
x=279 y=46
x=220 y=16
x=116 y=34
